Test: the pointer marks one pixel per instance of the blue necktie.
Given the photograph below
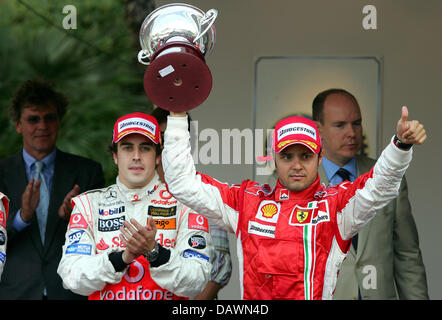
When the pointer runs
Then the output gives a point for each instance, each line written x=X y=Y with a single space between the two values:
x=345 y=175
x=43 y=204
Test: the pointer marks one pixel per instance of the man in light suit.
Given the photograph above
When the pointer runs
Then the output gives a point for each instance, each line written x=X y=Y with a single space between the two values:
x=36 y=235
x=384 y=261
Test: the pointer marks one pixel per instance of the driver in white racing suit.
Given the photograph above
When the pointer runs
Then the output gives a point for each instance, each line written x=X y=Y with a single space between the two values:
x=4 y=206
x=133 y=240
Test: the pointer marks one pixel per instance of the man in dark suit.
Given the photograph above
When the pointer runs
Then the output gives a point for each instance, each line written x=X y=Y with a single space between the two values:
x=384 y=261
x=40 y=198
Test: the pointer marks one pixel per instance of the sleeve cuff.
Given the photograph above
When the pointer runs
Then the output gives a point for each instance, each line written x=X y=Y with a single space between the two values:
x=116 y=258
x=18 y=223
x=163 y=257
x=180 y=123
x=399 y=155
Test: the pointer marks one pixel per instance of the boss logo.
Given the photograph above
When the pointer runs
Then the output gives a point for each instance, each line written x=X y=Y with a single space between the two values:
x=110 y=224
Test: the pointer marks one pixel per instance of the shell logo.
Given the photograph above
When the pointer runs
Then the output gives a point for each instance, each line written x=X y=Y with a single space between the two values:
x=269 y=210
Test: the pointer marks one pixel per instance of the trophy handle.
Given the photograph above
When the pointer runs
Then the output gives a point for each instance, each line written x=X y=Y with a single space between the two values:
x=143 y=55
x=209 y=17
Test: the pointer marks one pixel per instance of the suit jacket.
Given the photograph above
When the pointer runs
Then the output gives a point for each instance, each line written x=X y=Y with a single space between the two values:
x=388 y=263
x=31 y=266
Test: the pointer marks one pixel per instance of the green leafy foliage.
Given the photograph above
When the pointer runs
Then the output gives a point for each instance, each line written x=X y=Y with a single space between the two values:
x=95 y=65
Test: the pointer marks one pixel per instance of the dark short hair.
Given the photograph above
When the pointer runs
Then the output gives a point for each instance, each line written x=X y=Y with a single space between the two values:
x=160 y=115
x=318 y=102
x=39 y=93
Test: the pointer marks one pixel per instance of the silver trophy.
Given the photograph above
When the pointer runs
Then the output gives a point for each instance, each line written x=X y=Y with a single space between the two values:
x=175 y=39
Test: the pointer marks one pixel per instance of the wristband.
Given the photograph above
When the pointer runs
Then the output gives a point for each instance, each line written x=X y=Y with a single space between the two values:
x=398 y=143
x=116 y=258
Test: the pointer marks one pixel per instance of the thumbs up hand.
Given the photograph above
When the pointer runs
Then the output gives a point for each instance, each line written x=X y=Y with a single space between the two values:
x=410 y=132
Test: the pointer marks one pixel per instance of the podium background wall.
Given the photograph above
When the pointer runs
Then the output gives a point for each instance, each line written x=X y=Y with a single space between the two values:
x=407 y=42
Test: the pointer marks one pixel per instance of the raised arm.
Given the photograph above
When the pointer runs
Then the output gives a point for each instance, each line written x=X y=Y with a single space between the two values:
x=208 y=196
x=359 y=201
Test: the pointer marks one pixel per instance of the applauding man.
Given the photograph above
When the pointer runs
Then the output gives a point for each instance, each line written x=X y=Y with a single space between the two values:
x=133 y=240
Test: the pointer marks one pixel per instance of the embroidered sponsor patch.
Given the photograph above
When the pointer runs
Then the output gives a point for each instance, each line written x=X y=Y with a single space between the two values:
x=301 y=215
x=198 y=222
x=77 y=221
x=102 y=245
x=107 y=225
x=315 y=212
x=193 y=254
x=165 y=224
x=296 y=128
x=111 y=211
x=261 y=229
x=284 y=194
x=75 y=237
x=268 y=211
x=286 y=142
x=136 y=123
x=79 y=248
x=162 y=212
x=197 y=242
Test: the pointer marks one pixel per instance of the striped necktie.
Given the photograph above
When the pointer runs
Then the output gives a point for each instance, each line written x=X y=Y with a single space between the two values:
x=43 y=204
x=344 y=174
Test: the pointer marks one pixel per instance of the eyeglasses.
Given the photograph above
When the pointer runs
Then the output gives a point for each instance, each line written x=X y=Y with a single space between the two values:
x=50 y=117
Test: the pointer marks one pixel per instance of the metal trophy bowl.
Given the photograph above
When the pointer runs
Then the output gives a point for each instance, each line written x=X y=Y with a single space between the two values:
x=175 y=39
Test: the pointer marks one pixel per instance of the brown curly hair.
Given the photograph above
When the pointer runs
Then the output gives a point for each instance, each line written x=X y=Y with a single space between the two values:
x=39 y=93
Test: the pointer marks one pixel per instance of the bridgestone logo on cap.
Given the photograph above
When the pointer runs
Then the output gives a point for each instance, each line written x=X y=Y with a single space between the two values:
x=296 y=128
x=137 y=123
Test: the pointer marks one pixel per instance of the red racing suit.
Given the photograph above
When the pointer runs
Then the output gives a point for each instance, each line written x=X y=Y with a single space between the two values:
x=290 y=244
x=4 y=207
x=93 y=233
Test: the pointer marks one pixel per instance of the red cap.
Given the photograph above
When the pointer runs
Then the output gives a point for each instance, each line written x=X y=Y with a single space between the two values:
x=137 y=122
x=296 y=130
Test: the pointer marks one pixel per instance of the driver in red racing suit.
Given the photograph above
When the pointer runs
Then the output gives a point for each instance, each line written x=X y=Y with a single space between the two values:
x=292 y=239
x=164 y=253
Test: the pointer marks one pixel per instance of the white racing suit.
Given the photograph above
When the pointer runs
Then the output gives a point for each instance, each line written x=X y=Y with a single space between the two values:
x=4 y=206
x=93 y=233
